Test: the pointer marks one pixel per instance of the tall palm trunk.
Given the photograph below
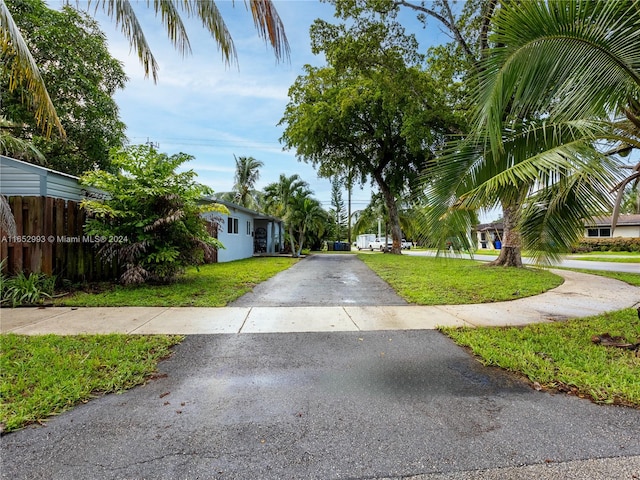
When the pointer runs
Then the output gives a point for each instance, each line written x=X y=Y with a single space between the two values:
x=511 y=250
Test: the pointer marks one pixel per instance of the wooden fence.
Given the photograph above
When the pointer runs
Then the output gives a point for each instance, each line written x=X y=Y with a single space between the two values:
x=50 y=240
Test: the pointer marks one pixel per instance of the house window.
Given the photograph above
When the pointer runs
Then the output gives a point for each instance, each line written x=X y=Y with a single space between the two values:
x=599 y=232
x=232 y=225
x=248 y=227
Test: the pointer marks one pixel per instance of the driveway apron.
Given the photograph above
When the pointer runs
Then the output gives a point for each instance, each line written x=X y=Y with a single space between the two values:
x=322 y=280
x=356 y=405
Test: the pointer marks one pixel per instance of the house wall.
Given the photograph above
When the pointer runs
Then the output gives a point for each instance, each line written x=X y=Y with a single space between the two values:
x=485 y=240
x=626 y=231
x=237 y=245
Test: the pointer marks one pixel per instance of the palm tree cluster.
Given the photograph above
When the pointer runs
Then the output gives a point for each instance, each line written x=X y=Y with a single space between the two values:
x=290 y=199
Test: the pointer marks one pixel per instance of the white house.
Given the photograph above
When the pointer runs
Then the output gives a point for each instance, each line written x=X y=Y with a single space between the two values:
x=245 y=232
x=628 y=226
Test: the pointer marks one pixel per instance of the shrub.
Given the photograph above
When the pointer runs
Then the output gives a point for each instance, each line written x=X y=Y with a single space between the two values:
x=150 y=221
x=614 y=244
x=31 y=289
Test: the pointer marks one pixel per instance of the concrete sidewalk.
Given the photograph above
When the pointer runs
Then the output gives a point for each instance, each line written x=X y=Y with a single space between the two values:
x=580 y=295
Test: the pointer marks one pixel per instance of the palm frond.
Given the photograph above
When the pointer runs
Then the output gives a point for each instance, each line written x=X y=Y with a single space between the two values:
x=122 y=12
x=173 y=25
x=553 y=218
x=569 y=58
x=212 y=20
x=270 y=27
x=22 y=69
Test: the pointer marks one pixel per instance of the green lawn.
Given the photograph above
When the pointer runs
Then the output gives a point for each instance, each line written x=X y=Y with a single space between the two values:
x=562 y=356
x=447 y=281
x=615 y=257
x=45 y=375
x=212 y=285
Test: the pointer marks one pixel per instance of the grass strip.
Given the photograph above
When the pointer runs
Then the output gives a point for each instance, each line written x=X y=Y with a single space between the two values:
x=213 y=285
x=561 y=356
x=594 y=258
x=630 y=278
x=452 y=281
x=45 y=375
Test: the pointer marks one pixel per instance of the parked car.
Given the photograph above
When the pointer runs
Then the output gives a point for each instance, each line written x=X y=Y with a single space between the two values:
x=406 y=245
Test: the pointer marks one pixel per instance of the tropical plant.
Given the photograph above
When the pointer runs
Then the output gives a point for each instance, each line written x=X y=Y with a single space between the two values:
x=280 y=199
x=150 y=219
x=546 y=136
x=15 y=147
x=247 y=174
x=23 y=289
x=569 y=61
x=307 y=217
x=23 y=69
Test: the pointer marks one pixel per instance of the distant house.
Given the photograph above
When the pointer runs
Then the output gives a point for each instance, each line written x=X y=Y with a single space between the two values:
x=628 y=226
x=489 y=235
x=245 y=232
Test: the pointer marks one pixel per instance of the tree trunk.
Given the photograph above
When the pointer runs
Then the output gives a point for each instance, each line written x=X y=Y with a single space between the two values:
x=510 y=253
x=394 y=219
x=293 y=243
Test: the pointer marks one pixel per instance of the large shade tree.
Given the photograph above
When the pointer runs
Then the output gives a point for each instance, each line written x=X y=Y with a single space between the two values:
x=372 y=113
x=82 y=77
x=23 y=69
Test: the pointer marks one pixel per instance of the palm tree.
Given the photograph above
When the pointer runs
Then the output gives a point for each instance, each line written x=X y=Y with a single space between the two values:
x=307 y=216
x=247 y=174
x=22 y=68
x=280 y=198
x=575 y=64
x=569 y=61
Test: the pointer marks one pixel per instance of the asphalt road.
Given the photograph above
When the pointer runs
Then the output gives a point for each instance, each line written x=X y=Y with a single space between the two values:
x=565 y=262
x=350 y=405
x=322 y=280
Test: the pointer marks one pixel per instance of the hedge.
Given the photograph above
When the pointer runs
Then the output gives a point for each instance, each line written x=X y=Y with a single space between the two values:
x=615 y=244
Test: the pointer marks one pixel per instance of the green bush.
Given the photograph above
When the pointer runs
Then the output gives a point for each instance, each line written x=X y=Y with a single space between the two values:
x=615 y=244
x=150 y=221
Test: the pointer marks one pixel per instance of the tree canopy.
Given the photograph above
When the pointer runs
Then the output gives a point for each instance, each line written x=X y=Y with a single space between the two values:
x=82 y=77
x=372 y=113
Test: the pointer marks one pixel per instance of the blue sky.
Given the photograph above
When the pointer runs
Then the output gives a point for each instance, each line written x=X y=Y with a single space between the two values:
x=213 y=112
